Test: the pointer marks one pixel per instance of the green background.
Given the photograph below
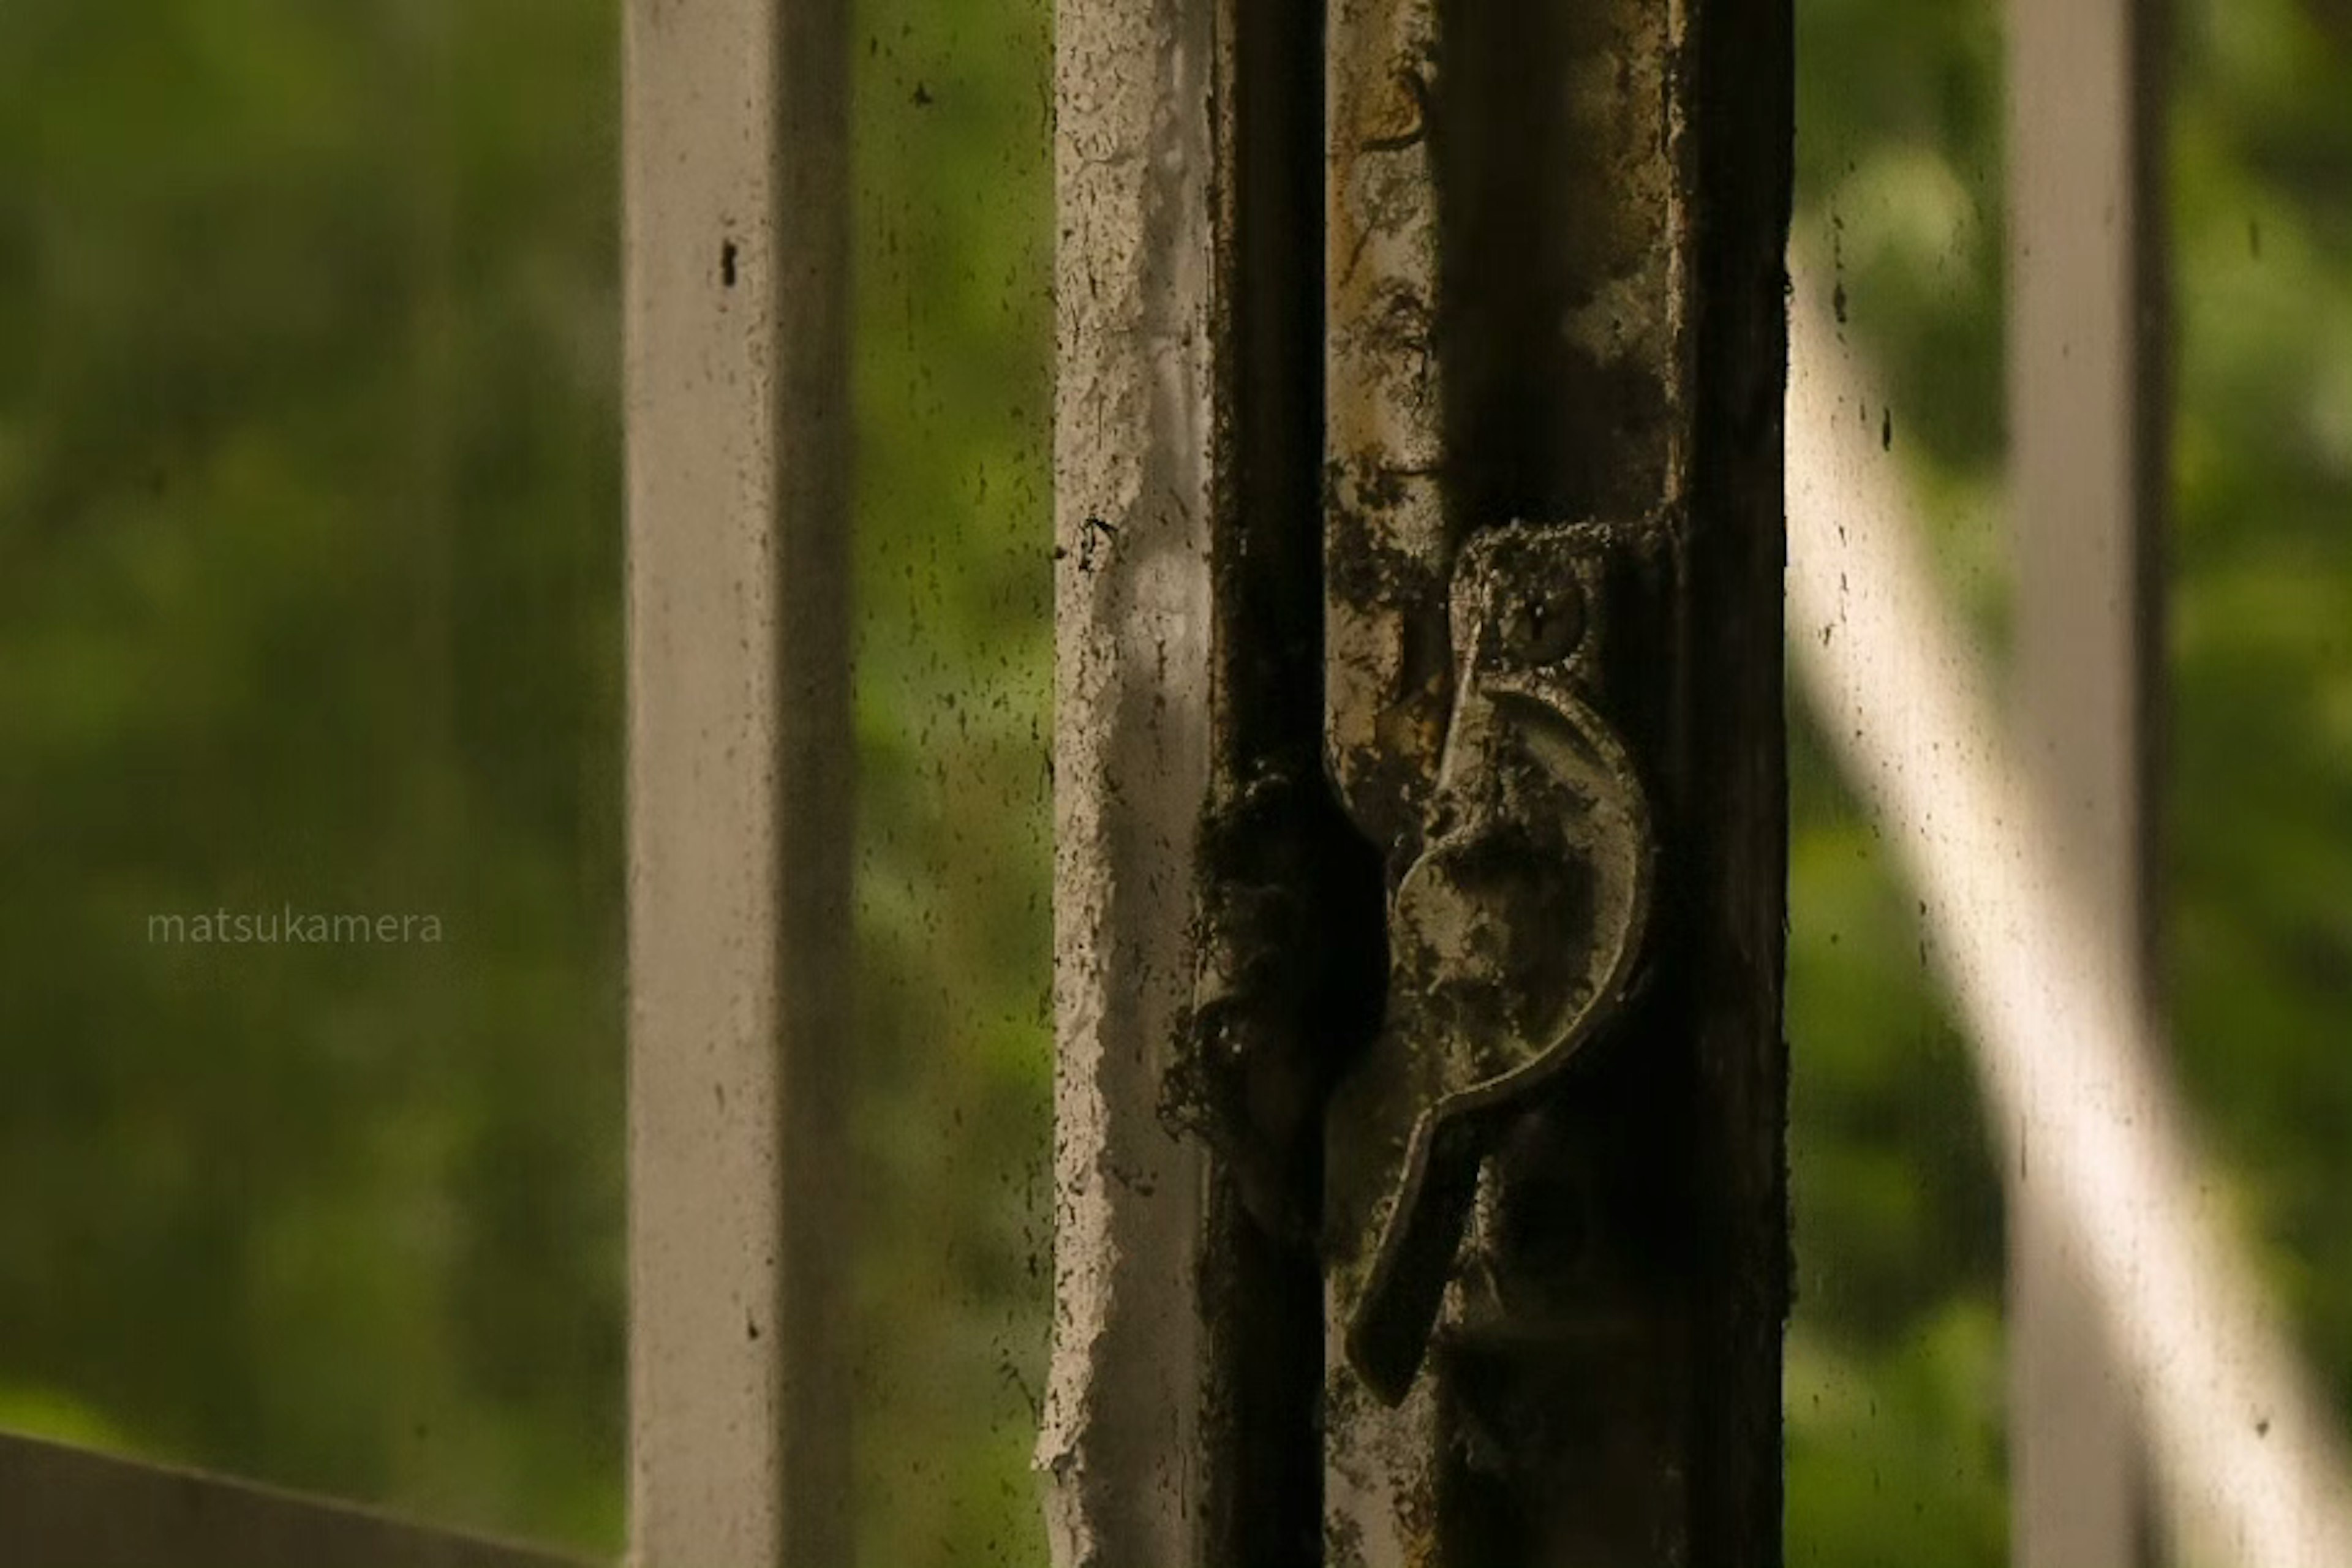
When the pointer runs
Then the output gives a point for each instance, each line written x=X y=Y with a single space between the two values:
x=310 y=554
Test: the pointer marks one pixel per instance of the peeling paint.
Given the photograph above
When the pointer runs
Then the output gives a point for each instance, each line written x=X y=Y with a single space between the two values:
x=1131 y=460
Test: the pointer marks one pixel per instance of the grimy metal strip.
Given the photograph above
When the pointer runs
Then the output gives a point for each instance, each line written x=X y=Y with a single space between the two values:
x=1556 y=292
x=1389 y=545
x=2087 y=402
x=62 y=1507
x=740 y=809
x=1287 y=930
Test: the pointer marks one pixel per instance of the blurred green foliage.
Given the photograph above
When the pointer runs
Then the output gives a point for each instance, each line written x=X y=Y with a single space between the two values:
x=308 y=559
x=308 y=595
x=1896 y=1380
x=310 y=556
x=954 y=380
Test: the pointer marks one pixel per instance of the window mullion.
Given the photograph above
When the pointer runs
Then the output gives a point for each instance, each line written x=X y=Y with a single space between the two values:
x=740 y=857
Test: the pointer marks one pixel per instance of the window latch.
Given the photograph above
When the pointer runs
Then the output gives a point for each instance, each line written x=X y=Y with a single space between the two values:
x=1518 y=924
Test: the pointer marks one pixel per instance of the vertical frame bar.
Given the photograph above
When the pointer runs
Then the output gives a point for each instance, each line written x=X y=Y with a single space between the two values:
x=1556 y=291
x=1218 y=918
x=2087 y=400
x=1289 y=951
x=738 y=778
x=1390 y=540
x=1135 y=284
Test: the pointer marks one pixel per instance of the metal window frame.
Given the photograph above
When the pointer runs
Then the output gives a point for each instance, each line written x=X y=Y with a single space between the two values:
x=739 y=794
x=65 y=1507
x=740 y=786
x=1135 y=279
x=2087 y=420
x=1159 y=495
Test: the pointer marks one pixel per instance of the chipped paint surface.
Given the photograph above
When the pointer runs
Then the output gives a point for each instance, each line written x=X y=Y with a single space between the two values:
x=1386 y=552
x=1551 y=165
x=1132 y=606
x=1628 y=321
x=1379 y=1485
x=1387 y=539
x=1508 y=355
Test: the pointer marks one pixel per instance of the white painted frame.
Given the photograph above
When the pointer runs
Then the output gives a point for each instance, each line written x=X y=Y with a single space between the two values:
x=740 y=787
x=2086 y=480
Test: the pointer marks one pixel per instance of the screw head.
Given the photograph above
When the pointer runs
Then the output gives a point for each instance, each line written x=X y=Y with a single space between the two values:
x=1544 y=625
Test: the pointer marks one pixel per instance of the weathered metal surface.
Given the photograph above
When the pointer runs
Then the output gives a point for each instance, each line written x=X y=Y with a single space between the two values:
x=2088 y=477
x=1386 y=550
x=1389 y=541
x=1290 y=966
x=62 y=1507
x=739 y=781
x=1518 y=930
x=1135 y=154
x=1525 y=422
x=1555 y=354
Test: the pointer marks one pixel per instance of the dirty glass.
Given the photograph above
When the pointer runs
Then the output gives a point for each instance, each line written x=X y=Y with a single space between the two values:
x=310 y=1022
x=1894 y=1379
x=310 y=1004
x=1895 y=1383
x=310 y=900
x=952 y=1083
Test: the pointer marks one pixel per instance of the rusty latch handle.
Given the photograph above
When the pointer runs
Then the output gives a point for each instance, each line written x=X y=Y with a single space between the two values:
x=1516 y=933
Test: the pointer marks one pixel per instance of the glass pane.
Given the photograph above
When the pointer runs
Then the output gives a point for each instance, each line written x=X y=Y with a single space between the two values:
x=309 y=980
x=1895 y=1387
x=953 y=1086
x=2258 y=817
x=1895 y=1369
